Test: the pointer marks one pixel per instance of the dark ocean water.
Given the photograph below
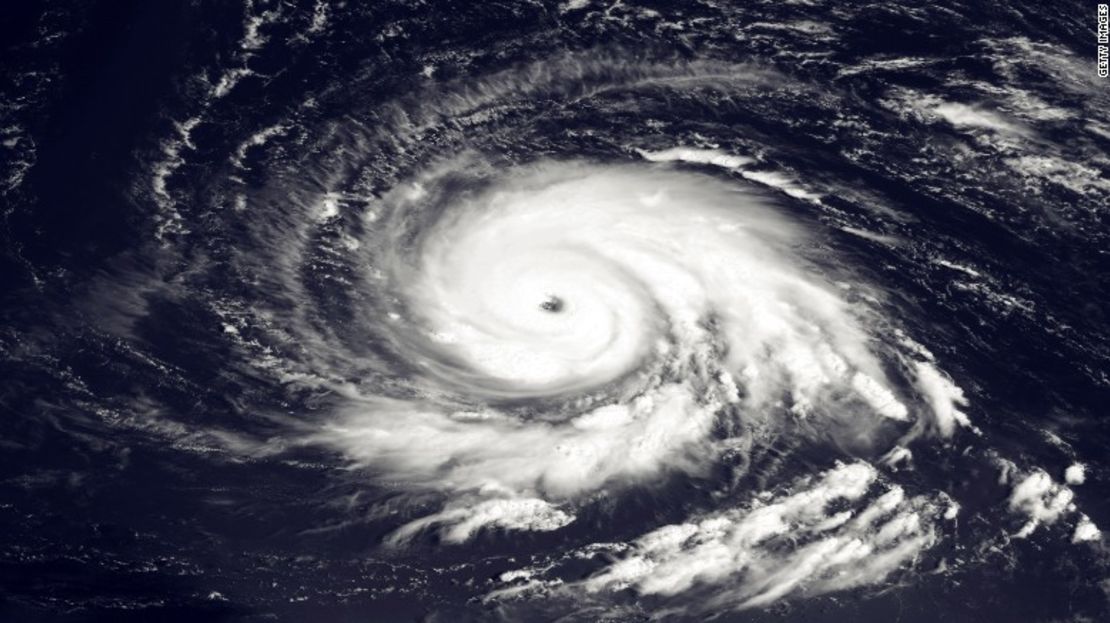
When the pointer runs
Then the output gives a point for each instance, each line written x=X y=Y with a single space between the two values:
x=200 y=201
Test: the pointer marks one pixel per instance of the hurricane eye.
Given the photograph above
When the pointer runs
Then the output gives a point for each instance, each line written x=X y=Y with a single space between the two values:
x=553 y=304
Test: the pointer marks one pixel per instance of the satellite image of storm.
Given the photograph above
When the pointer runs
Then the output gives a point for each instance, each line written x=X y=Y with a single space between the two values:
x=742 y=311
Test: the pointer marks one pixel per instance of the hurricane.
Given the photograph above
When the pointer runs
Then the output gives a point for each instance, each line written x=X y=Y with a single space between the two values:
x=559 y=311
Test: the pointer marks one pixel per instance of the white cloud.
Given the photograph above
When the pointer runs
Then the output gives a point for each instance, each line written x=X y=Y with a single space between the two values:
x=965 y=116
x=827 y=535
x=898 y=457
x=1086 y=530
x=700 y=156
x=461 y=522
x=773 y=179
x=1075 y=474
x=1043 y=500
x=879 y=397
x=944 y=397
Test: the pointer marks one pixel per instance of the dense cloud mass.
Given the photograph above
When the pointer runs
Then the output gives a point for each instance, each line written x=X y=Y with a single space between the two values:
x=681 y=312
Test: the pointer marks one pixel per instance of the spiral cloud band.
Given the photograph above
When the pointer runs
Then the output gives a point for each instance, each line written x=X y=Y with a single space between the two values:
x=578 y=326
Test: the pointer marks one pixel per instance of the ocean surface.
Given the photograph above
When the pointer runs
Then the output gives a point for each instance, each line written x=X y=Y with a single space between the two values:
x=539 y=311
